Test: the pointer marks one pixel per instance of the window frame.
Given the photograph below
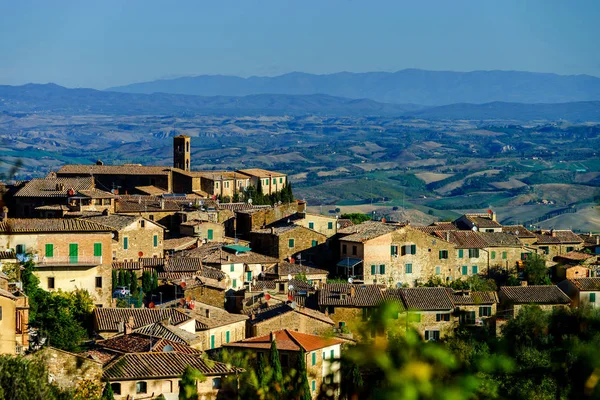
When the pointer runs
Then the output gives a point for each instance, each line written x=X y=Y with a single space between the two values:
x=138 y=387
x=53 y=280
x=96 y=280
x=49 y=254
x=408 y=268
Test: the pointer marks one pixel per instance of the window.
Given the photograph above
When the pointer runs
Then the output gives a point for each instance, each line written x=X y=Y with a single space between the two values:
x=493 y=255
x=97 y=249
x=98 y=282
x=344 y=249
x=226 y=184
x=314 y=243
x=523 y=256
x=116 y=388
x=545 y=249
x=20 y=249
x=151 y=217
x=465 y=270
x=432 y=335
x=280 y=180
x=373 y=269
x=232 y=268
x=73 y=253
x=49 y=250
x=291 y=243
x=155 y=240
x=234 y=283
x=314 y=358
x=468 y=317
x=354 y=250
x=216 y=383
x=141 y=387
x=474 y=269
x=274 y=181
x=311 y=225
x=142 y=223
x=473 y=253
x=442 y=317
x=313 y=385
x=408 y=268
x=443 y=254
x=382 y=269
x=125 y=243
x=249 y=276
x=332 y=353
x=485 y=311
x=570 y=249
x=216 y=185
x=592 y=297
x=394 y=250
x=0 y=313
x=227 y=337
x=504 y=255
x=212 y=341
x=409 y=249
x=461 y=253
x=330 y=225
x=438 y=270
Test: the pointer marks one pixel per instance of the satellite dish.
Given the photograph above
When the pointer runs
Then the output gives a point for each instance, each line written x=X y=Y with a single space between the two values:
x=517 y=233
x=249 y=201
x=293 y=304
x=289 y=277
x=168 y=348
x=291 y=287
x=474 y=229
x=350 y=280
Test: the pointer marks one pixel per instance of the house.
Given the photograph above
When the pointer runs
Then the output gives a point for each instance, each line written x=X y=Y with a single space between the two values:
x=56 y=197
x=70 y=253
x=483 y=222
x=514 y=298
x=287 y=315
x=284 y=240
x=324 y=224
x=574 y=264
x=347 y=303
x=322 y=354
x=204 y=230
x=527 y=237
x=150 y=374
x=504 y=249
x=252 y=217
x=133 y=236
x=284 y=269
x=158 y=209
x=552 y=243
x=109 y=322
x=430 y=310
x=470 y=257
x=269 y=181
x=582 y=291
x=475 y=308
x=591 y=242
x=14 y=317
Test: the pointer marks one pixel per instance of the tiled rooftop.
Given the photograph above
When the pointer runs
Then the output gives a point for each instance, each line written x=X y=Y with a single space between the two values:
x=519 y=230
x=339 y=294
x=126 y=169
x=587 y=284
x=114 y=221
x=463 y=239
x=535 y=294
x=261 y=173
x=108 y=319
x=27 y=225
x=500 y=239
x=427 y=298
x=474 y=298
x=287 y=340
x=367 y=230
x=139 y=343
x=267 y=313
x=557 y=237
x=137 y=204
x=285 y=268
x=57 y=187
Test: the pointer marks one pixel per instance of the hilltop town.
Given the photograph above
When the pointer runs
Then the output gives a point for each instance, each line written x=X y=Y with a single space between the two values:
x=182 y=268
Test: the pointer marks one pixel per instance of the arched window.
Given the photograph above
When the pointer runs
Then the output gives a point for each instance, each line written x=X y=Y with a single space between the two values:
x=141 y=387
x=116 y=388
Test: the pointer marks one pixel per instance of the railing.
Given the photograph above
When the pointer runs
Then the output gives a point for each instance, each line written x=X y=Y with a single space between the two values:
x=70 y=260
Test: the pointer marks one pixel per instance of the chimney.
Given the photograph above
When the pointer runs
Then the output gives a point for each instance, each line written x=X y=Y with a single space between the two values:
x=523 y=283
x=352 y=291
x=552 y=233
x=162 y=204
x=207 y=312
x=327 y=311
x=383 y=220
x=272 y=230
x=447 y=236
x=493 y=216
x=272 y=337
x=129 y=326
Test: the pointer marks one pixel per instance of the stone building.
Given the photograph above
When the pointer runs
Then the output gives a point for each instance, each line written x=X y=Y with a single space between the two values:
x=324 y=224
x=133 y=236
x=287 y=315
x=70 y=253
x=322 y=354
x=269 y=181
x=482 y=222
x=158 y=209
x=591 y=242
x=475 y=308
x=552 y=243
x=284 y=240
x=257 y=217
x=204 y=230
x=582 y=291
x=284 y=269
x=514 y=298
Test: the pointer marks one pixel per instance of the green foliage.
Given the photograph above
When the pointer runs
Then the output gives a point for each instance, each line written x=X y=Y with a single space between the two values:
x=134 y=284
x=301 y=390
x=146 y=282
x=121 y=280
x=107 y=393
x=357 y=218
x=536 y=272
x=22 y=379
x=30 y=281
x=188 y=385
x=301 y=276
x=115 y=279
x=275 y=364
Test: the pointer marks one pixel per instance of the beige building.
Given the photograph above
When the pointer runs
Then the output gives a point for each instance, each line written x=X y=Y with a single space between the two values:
x=482 y=222
x=8 y=322
x=70 y=253
x=514 y=298
x=269 y=181
x=324 y=224
x=554 y=243
x=160 y=210
x=475 y=308
x=583 y=292
x=286 y=315
x=284 y=240
x=204 y=230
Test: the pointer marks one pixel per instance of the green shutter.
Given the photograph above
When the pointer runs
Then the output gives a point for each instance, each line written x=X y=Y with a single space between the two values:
x=97 y=249
x=73 y=253
x=493 y=255
x=438 y=270
x=234 y=283
x=382 y=269
x=408 y=268
x=330 y=225
x=413 y=249
x=504 y=255
x=212 y=341
x=372 y=270
x=311 y=225
x=232 y=268
x=314 y=243
x=249 y=276
x=291 y=243
x=227 y=337
x=460 y=253
x=210 y=234
x=314 y=358
x=592 y=297
x=475 y=269
x=155 y=238
x=49 y=250
x=314 y=385
x=125 y=243
x=465 y=270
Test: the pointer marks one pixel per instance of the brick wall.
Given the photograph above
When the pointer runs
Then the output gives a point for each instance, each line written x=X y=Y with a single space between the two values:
x=208 y=295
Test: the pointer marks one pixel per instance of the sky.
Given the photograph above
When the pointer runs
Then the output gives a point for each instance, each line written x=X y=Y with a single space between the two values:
x=106 y=43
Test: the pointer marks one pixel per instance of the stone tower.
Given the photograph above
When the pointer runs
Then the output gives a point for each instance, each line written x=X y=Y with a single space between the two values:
x=181 y=152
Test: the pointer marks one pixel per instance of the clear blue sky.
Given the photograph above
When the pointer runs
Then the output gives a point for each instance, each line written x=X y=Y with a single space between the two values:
x=104 y=43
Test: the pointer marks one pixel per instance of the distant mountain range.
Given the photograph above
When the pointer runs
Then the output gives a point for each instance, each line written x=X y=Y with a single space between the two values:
x=52 y=98
x=409 y=86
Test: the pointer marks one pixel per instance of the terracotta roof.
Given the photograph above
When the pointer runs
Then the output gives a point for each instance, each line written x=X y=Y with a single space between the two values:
x=574 y=256
x=586 y=284
x=113 y=221
x=285 y=268
x=463 y=239
x=535 y=294
x=222 y=175
x=212 y=254
x=339 y=294
x=260 y=173
x=44 y=187
x=435 y=228
x=217 y=316
x=241 y=206
x=151 y=261
x=175 y=276
x=344 y=223
x=263 y=285
x=107 y=319
x=557 y=237
x=168 y=332
x=181 y=264
x=500 y=239
x=151 y=190
x=7 y=294
x=139 y=343
x=519 y=230
x=296 y=283
x=267 y=313
x=545 y=239
x=7 y=255
x=53 y=207
x=566 y=236
x=178 y=244
x=161 y=365
x=26 y=225
x=125 y=169
x=137 y=204
x=590 y=240
x=474 y=298
x=427 y=298
x=100 y=355
x=129 y=265
x=287 y=340
x=367 y=230
x=282 y=227
x=481 y=221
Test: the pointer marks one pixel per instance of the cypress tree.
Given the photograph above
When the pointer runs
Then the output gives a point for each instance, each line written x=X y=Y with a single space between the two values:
x=107 y=393
x=121 y=278
x=260 y=370
x=146 y=285
x=126 y=278
x=115 y=278
x=134 y=283
x=276 y=365
x=302 y=388
x=154 y=279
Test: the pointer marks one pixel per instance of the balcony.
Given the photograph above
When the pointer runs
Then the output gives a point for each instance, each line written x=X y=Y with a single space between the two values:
x=70 y=260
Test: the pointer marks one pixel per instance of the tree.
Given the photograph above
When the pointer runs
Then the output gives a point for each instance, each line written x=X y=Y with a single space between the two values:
x=535 y=270
x=275 y=365
x=357 y=218
x=188 y=386
x=121 y=279
x=107 y=393
x=353 y=382
x=115 y=279
x=154 y=279
x=134 y=283
x=22 y=379
x=146 y=282
x=302 y=388
x=30 y=281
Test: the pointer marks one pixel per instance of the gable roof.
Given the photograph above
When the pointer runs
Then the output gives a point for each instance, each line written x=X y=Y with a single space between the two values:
x=217 y=316
x=29 y=225
x=481 y=221
x=54 y=187
x=137 y=204
x=427 y=298
x=260 y=173
x=590 y=240
x=267 y=313
x=367 y=230
x=557 y=237
x=339 y=294
x=287 y=340
x=107 y=318
x=114 y=221
x=168 y=332
x=139 y=343
x=285 y=268
x=586 y=284
x=463 y=239
x=519 y=230
x=161 y=365
x=125 y=169
x=500 y=239
x=535 y=294
x=473 y=298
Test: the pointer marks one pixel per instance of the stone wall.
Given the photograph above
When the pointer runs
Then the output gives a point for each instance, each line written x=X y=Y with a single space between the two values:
x=8 y=337
x=140 y=240
x=208 y=295
x=67 y=369
x=290 y=320
x=320 y=223
x=249 y=221
x=278 y=246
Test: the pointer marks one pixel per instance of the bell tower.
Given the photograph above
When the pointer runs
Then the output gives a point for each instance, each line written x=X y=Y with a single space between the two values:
x=181 y=152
